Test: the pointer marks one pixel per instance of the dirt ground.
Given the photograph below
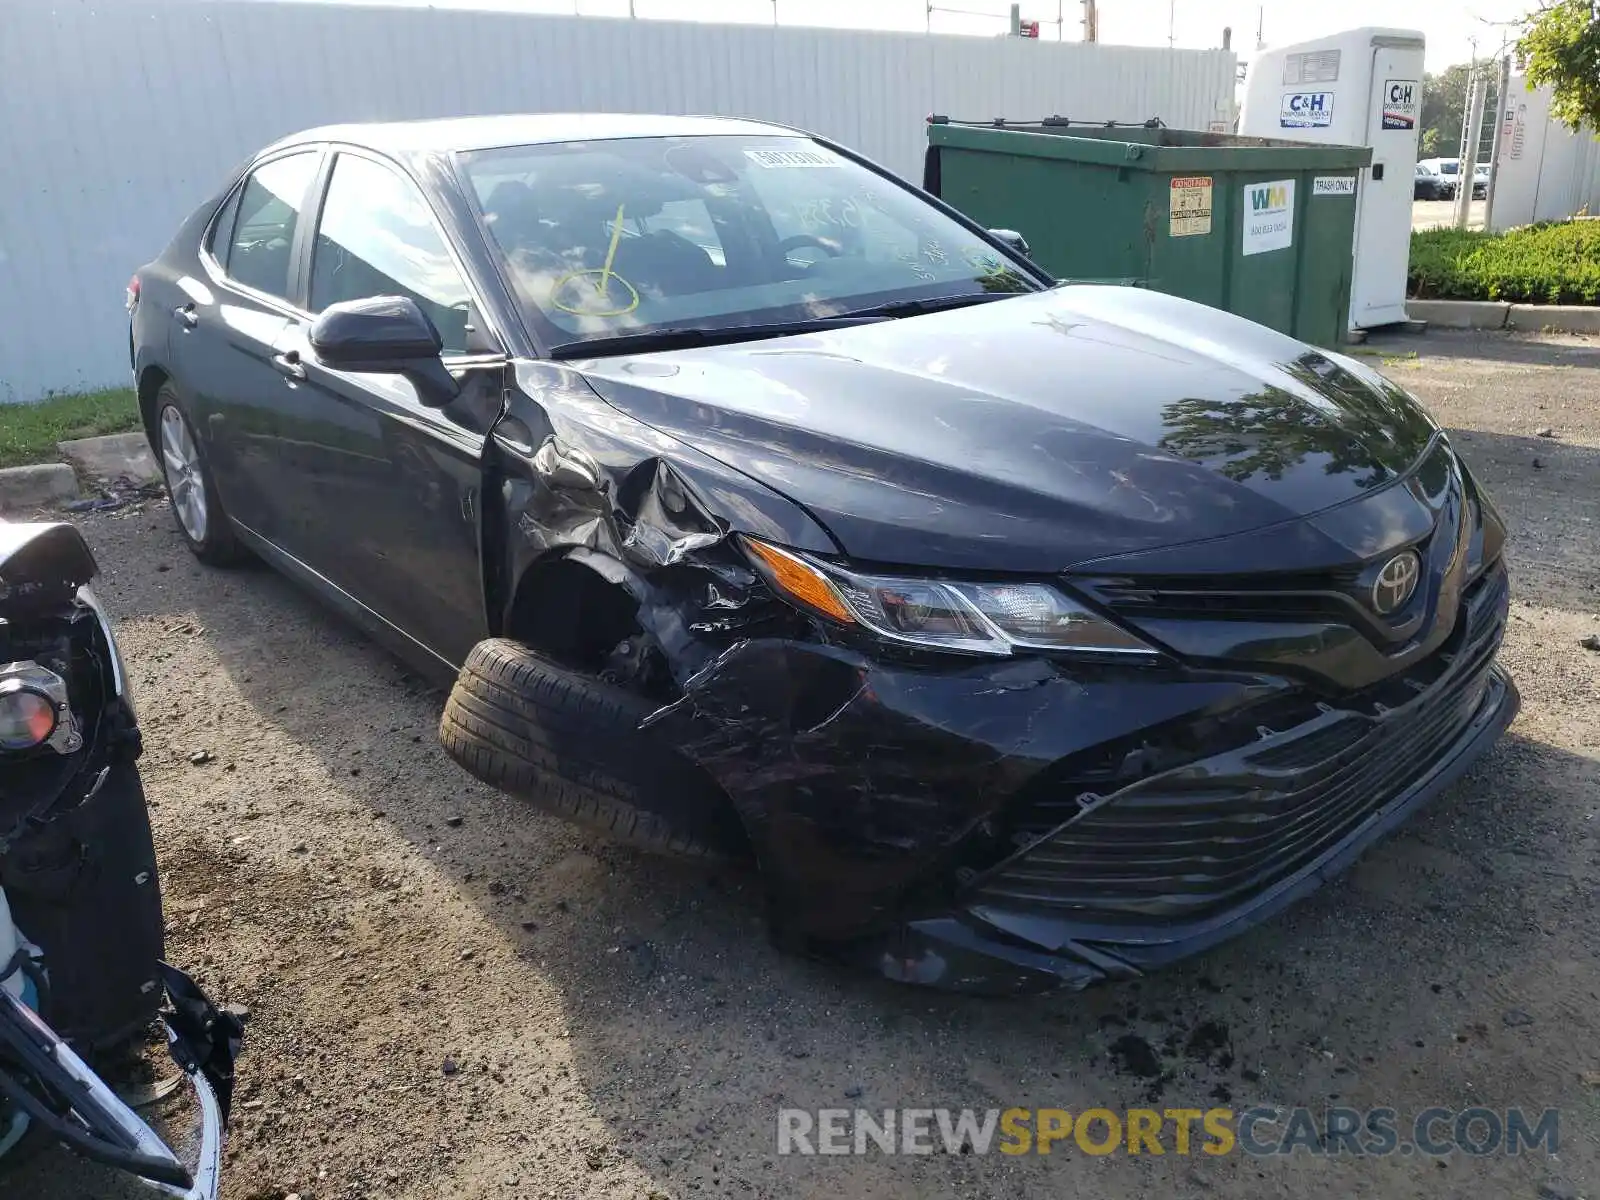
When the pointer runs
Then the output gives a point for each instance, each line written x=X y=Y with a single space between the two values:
x=455 y=997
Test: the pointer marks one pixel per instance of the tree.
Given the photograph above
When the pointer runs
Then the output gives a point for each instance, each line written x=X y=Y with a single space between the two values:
x=1562 y=47
x=1444 y=112
x=1444 y=109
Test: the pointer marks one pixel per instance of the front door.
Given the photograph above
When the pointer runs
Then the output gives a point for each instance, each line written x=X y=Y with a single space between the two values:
x=384 y=491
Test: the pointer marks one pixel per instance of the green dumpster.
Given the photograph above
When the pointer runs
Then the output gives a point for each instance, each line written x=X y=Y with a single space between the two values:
x=1257 y=226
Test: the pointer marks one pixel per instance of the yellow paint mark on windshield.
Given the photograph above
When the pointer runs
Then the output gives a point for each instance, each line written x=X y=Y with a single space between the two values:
x=601 y=305
x=611 y=253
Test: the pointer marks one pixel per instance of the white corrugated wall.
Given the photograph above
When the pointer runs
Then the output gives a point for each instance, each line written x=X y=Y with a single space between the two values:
x=120 y=116
x=1546 y=172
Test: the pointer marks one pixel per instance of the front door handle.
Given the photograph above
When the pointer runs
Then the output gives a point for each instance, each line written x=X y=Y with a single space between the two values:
x=289 y=364
x=187 y=315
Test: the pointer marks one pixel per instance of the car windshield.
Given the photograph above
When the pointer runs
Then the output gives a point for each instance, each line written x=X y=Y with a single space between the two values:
x=619 y=237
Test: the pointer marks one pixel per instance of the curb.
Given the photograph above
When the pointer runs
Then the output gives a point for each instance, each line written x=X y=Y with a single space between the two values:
x=113 y=456
x=39 y=486
x=1498 y=314
x=1460 y=314
x=1567 y=318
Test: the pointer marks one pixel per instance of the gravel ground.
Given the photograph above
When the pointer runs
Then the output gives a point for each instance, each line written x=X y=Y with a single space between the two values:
x=454 y=997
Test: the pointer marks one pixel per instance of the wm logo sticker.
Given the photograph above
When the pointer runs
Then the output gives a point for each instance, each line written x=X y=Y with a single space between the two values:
x=1272 y=195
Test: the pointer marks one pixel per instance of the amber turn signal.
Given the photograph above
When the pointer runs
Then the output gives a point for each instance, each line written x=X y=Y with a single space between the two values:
x=800 y=581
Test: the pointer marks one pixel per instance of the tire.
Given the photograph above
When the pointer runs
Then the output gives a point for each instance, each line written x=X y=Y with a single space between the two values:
x=205 y=527
x=571 y=746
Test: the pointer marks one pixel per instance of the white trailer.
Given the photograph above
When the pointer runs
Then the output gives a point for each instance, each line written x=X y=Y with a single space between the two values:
x=1359 y=88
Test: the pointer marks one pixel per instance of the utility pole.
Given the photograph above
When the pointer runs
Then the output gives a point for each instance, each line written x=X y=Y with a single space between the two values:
x=1261 y=27
x=1172 y=19
x=1471 y=134
x=1091 y=22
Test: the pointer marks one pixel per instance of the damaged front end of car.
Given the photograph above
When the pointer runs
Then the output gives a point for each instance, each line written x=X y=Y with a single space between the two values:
x=81 y=970
x=998 y=811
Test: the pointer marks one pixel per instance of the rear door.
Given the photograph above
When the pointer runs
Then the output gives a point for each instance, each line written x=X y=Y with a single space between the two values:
x=385 y=490
x=225 y=333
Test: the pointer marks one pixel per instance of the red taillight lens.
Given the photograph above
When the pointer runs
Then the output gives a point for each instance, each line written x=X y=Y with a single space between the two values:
x=133 y=293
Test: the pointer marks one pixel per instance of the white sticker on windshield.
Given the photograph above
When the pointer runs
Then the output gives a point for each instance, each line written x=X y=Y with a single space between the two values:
x=791 y=158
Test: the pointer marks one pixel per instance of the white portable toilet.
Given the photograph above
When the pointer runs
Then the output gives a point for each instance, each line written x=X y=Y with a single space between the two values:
x=1360 y=88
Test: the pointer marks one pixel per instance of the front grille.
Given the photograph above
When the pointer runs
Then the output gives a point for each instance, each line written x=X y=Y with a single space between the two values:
x=1309 y=598
x=1340 y=596
x=1195 y=840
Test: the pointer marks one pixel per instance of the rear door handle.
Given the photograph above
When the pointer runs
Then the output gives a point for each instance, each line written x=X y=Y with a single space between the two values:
x=187 y=315
x=289 y=364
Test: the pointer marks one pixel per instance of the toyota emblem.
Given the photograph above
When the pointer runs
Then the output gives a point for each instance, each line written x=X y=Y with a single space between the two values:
x=1395 y=582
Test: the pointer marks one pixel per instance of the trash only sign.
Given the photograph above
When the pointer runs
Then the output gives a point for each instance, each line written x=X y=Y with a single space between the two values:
x=1268 y=216
x=1401 y=98
x=1306 y=110
x=1189 y=209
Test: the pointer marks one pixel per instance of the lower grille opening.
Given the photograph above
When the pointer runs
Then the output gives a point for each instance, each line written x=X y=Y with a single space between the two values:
x=1198 y=839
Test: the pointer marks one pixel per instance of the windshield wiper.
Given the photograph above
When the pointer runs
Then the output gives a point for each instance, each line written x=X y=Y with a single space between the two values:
x=682 y=337
x=914 y=308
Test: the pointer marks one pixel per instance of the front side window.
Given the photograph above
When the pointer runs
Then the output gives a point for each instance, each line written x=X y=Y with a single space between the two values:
x=260 y=249
x=377 y=237
x=605 y=238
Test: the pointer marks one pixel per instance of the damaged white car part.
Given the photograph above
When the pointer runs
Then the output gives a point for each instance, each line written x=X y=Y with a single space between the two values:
x=81 y=970
x=68 y=1101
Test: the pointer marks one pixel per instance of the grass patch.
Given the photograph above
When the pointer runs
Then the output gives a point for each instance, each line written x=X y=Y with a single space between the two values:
x=29 y=432
x=1549 y=263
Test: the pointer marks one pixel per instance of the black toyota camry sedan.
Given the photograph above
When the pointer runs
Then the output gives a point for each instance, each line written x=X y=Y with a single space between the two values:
x=753 y=504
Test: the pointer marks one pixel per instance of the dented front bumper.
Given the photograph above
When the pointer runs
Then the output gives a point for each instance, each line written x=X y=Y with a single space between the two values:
x=1011 y=826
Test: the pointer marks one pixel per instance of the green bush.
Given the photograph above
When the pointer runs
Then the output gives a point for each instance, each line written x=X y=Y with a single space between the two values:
x=1550 y=263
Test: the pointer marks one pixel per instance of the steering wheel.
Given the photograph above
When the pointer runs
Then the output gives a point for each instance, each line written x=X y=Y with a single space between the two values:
x=831 y=248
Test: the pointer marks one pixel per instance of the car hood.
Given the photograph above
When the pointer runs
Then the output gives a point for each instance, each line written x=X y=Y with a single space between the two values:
x=1033 y=433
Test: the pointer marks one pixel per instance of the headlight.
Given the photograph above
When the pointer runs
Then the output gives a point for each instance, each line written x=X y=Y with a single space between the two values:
x=26 y=717
x=977 y=618
x=34 y=709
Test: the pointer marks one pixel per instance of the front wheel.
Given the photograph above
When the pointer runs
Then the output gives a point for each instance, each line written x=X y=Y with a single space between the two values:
x=195 y=505
x=571 y=745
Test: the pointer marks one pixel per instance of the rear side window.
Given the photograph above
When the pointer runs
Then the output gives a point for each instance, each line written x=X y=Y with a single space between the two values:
x=222 y=228
x=260 y=249
x=377 y=237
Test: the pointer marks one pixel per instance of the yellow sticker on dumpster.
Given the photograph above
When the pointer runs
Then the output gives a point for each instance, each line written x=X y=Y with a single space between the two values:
x=1190 y=206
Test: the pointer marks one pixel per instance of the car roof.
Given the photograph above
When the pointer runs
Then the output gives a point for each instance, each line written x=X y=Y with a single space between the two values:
x=523 y=129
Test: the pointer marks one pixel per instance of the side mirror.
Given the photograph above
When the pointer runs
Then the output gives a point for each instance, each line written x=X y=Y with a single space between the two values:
x=1013 y=239
x=385 y=335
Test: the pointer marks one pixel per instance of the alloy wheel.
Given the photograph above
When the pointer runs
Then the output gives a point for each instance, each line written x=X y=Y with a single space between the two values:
x=185 y=483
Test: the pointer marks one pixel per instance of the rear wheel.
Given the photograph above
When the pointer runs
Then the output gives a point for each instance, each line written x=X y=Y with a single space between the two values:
x=571 y=745
x=195 y=505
